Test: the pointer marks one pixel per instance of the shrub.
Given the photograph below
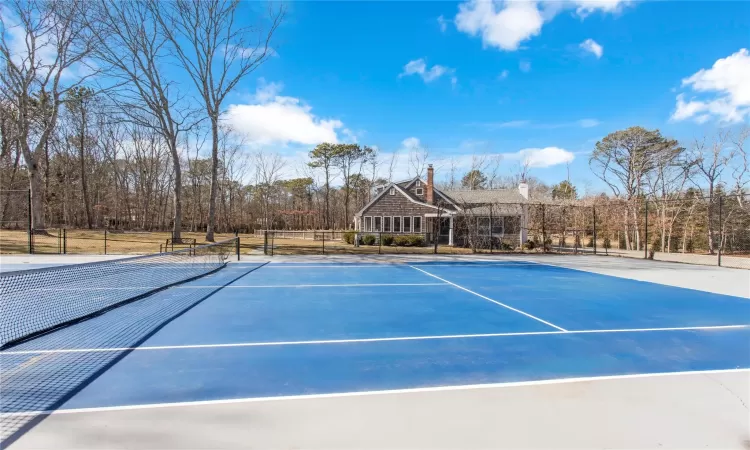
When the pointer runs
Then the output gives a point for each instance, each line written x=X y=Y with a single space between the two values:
x=529 y=245
x=607 y=243
x=506 y=246
x=416 y=240
x=401 y=240
x=387 y=239
x=368 y=239
x=349 y=237
x=590 y=242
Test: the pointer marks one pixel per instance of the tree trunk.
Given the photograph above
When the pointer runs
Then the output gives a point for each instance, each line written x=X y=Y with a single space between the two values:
x=82 y=155
x=214 y=179
x=177 y=192
x=710 y=226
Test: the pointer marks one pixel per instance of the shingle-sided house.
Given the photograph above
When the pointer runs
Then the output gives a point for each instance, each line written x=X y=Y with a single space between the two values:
x=415 y=206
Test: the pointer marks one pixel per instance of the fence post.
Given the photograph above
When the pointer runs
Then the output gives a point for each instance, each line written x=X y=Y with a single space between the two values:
x=544 y=235
x=105 y=242
x=593 y=210
x=31 y=226
x=65 y=241
x=238 y=248
x=380 y=242
x=273 y=235
x=645 y=232
x=721 y=228
x=324 y=242
x=59 y=241
x=265 y=242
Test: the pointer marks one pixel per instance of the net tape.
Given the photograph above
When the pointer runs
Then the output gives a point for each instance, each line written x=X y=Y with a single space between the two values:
x=33 y=302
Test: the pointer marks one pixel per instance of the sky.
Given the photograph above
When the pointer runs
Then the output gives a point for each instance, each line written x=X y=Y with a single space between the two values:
x=531 y=81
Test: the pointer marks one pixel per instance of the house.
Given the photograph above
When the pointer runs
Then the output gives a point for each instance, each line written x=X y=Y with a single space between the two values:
x=450 y=216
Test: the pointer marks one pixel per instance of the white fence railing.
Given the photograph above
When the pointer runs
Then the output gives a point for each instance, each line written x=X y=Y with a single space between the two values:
x=313 y=235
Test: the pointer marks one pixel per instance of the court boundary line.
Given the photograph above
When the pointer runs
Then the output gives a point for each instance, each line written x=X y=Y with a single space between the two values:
x=369 y=340
x=489 y=299
x=266 y=286
x=464 y=387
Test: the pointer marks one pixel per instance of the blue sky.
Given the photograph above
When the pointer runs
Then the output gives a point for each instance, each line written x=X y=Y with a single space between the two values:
x=474 y=78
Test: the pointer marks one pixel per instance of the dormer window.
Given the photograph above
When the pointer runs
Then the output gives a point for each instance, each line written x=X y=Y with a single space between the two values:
x=392 y=191
x=418 y=184
x=419 y=191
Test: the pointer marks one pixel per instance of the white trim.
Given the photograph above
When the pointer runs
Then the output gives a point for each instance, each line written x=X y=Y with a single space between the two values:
x=419 y=191
x=491 y=300
x=463 y=387
x=368 y=227
x=368 y=340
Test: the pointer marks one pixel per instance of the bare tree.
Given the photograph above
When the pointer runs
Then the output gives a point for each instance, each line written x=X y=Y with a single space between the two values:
x=42 y=44
x=710 y=162
x=268 y=168
x=418 y=156
x=131 y=43
x=217 y=52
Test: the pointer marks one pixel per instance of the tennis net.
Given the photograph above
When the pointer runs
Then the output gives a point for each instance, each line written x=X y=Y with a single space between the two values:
x=34 y=302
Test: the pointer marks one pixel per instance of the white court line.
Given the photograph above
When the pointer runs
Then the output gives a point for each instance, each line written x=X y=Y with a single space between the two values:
x=364 y=340
x=317 y=285
x=489 y=299
x=464 y=387
x=332 y=266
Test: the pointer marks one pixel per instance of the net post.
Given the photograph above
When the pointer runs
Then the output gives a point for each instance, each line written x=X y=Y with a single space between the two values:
x=265 y=242
x=645 y=232
x=30 y=225
x=721 y=229
x=593 y=212
x=237 y=245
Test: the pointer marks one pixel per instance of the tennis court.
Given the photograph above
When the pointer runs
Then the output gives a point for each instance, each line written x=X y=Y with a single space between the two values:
x=255 y=331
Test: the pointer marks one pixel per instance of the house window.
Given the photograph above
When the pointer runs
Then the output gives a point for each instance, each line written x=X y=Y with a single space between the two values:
x=378 y=223
x=419 y=191
x=392 y=191
x=387 y=224
x=397 y=224
x=407 y=224
x=417 y=224
x=368 y=223
x=483 y=223
x=497 y=225
x=418 y=184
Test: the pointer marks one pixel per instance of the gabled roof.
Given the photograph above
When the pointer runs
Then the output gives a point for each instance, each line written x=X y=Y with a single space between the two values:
x=403 y=192
x=480 y=196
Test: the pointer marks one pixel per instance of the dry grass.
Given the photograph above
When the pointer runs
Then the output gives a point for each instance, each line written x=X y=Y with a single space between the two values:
x=93 y=242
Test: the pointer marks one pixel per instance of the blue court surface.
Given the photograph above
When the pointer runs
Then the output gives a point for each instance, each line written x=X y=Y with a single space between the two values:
x=295 y=329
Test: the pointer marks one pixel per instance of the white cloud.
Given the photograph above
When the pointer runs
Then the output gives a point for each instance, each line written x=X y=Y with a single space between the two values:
x=592 y=46
x=443 y=23
x=500 y=24
x=275 y=119
x=410 y=144
x=505 y=24
x=503 y=75
x=723 y=90
x=524 y=66
x=542 y=157
x=588 y=123
x=419 y=67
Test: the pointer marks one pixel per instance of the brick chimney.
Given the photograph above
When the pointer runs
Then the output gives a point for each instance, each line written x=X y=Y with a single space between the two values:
x=430 y=193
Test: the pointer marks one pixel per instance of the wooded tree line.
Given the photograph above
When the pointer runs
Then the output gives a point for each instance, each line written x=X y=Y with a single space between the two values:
x=110 y=113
